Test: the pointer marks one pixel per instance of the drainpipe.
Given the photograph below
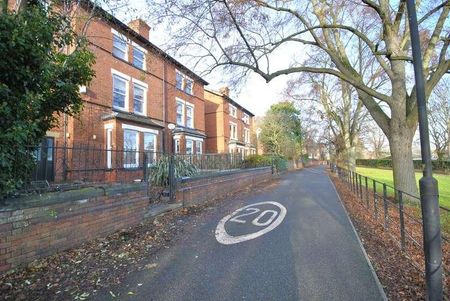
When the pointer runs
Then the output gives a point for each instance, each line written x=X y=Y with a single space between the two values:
x=164 y=96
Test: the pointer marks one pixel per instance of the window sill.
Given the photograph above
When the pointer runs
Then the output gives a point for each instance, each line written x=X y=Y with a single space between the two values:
x=191 y=94
x=140 y=114
x=120 y=109
x=137 y=67
x=119 y=58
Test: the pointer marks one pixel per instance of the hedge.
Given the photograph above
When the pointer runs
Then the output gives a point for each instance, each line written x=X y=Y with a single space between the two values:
x=279 y=162
x=387 y=163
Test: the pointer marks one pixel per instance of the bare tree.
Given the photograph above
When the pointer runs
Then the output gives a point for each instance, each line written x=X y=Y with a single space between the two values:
x=337 y=102
x=247 y=35
x=439 y=115
x=375 y=139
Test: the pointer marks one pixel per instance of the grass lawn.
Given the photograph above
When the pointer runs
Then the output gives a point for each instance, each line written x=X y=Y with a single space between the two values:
x=385 y=176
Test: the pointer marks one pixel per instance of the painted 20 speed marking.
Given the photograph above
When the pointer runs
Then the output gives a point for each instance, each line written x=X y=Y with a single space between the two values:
x=268 y=219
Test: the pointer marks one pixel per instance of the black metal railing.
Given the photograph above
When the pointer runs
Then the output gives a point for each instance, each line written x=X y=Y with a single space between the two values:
x=399 y=213
x=63 y=167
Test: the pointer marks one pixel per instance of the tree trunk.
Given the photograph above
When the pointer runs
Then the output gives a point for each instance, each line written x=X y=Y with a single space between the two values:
x=402 y=162
x=350 y=158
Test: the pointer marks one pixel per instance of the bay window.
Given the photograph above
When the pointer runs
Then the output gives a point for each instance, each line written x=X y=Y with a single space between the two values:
x=189 y=146
x=131 y=148
x=177 y=148
x=199 y=147
x=150 y=146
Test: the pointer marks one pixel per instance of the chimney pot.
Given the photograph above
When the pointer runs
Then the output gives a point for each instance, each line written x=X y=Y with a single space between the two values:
x=225 y=91
x=141 y=27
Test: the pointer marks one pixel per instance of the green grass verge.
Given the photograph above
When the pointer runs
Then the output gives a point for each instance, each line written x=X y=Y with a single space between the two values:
x=385 y=176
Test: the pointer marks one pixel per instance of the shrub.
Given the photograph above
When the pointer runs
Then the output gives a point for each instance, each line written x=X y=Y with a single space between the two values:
x=159 y=172
x=256 y=161
x=387 y=163
x=38 y=83
x=279 y=162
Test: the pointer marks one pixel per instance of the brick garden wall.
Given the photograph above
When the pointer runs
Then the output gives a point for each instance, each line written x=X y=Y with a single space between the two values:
x=54 y=222
x=41 y=225
x=200 y=190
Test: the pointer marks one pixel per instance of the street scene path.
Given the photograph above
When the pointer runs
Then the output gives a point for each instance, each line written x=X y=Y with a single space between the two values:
x=290 y=242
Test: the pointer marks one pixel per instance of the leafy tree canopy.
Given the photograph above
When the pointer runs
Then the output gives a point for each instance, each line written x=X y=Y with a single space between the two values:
x=43 y=64
x=281 y=131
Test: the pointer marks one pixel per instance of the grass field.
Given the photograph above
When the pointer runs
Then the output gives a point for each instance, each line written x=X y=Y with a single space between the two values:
x=385 y=176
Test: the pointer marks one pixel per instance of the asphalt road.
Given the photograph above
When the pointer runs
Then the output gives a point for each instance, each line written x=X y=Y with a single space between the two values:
x=313 y=254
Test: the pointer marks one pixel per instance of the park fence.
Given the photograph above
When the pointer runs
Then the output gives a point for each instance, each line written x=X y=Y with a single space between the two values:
x=400 y=215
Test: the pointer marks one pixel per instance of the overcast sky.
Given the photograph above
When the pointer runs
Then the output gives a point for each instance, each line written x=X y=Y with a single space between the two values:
x=256 y=95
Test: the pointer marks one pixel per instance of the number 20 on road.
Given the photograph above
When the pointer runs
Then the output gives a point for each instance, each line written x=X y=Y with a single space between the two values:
x=269 y=219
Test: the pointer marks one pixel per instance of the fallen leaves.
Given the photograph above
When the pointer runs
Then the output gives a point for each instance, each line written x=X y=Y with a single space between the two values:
x=101 y=264
x=79 y=273
x=396 y=270
x=151 y=266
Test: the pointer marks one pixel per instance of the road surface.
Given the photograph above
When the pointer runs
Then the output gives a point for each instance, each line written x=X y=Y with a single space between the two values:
x=311 y=254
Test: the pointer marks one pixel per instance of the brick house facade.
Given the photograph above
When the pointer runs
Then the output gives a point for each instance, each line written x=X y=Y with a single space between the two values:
x=137 y=91
x=229 y=126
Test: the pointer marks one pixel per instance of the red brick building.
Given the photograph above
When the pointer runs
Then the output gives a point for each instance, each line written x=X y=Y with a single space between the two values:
x=137 y=91
x=229 y=126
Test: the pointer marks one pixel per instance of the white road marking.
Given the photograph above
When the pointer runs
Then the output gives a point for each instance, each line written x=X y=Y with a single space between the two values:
x=274 y=221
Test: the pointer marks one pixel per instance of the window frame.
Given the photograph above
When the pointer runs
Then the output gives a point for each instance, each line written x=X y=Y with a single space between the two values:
x=246 y=135
x=144 y=87
x=182 y=104
x=233 y=124
x=190 y=106
x=184 y=78
x=246 y=118
x=144 y=52
x=122 y=37
x=232 y=109
x=176 y=145
x=126 y=79
x=191 y=142
x=136 y=163
x=198 y=148
x=155 y=139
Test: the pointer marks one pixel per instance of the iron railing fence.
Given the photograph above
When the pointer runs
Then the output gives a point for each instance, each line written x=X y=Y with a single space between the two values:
x=65 y=167
x=59 y=165
x=400 y=215
x=212 y=163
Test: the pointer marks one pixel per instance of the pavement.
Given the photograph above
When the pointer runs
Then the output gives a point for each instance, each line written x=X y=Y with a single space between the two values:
x=312 y=253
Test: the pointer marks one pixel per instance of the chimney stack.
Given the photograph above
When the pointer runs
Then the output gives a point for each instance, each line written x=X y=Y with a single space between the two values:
x=141 y=27
x=225 y=91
